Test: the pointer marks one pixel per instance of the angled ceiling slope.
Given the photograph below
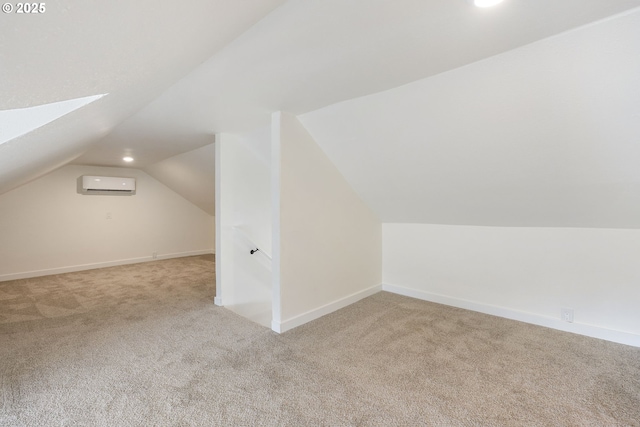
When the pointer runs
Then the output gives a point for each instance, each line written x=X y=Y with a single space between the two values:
x=131 y=50
x=544 y=135
x=190 y=174
x=20 y=121
x=308 y=54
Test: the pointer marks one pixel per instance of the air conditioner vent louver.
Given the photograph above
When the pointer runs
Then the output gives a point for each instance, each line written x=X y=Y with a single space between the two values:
x=99 y=184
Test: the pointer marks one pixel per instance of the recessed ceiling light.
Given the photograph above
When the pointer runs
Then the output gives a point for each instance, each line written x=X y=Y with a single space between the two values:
x=128 y=159
x=486 y=3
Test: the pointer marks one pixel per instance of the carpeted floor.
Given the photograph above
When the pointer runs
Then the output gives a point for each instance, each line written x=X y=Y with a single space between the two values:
x=143 y=345
x=69 y=294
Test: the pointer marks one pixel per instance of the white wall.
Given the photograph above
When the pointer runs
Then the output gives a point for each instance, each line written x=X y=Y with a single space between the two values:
x=527 y=274
x=46 y=227
x=243 y=200
x=329 y=252
x=541 y=136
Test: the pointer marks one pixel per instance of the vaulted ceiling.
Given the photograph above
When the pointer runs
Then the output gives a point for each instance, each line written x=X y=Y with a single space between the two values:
x=130 y=50
x=435 y=111
x=545 y=135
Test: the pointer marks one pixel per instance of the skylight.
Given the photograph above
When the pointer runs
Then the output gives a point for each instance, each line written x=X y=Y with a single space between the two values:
x=20 y=121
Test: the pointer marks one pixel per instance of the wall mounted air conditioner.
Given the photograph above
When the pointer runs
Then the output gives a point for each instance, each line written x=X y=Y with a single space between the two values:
x=99 y=184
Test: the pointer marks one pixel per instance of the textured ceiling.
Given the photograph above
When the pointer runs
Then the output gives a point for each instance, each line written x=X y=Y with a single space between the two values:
x=178 y=74
x=308 y=54
x=132 y=50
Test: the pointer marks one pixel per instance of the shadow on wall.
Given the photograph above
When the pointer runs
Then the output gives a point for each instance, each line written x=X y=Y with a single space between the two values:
x=251 y=296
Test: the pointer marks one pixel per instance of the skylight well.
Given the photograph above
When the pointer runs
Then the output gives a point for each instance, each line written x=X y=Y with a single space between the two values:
x=20 y=121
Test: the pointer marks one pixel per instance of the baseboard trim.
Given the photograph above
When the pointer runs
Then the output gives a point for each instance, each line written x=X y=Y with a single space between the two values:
x=83 y=267
x=593 y=331
x=316 y=313
x=218 y=301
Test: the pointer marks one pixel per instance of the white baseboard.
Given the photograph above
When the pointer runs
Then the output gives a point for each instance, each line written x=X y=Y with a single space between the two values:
x=316 y=313
x=621 y=337
x=82 y=267
x=218 y=301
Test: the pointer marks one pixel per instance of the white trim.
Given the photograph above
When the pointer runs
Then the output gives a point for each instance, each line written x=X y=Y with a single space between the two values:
x=276 y=327
x=218 y=218
x=218 y=301
x=276 y=154
x=316 y=313
x=621 y=337
x=83 y=267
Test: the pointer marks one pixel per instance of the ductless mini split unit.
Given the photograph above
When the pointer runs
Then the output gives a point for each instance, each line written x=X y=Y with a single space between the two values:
x=105 y=184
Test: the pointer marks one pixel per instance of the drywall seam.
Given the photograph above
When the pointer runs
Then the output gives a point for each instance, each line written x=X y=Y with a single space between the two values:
x=316 y=313
x=83 y=267
x=593 y=331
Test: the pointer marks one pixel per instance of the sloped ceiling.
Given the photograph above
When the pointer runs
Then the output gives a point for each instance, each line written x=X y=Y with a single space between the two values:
x=308 y=54
x=20 y=121
x=132 y=50
x=545 y=135
x=190 y=174
x=305 y=55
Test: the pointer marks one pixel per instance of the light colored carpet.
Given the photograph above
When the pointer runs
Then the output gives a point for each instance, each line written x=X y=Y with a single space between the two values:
x=159 y=353
x=64 y=295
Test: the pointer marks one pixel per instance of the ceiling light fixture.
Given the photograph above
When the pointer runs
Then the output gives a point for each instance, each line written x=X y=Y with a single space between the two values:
x=485 y=3
x=128 y=159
